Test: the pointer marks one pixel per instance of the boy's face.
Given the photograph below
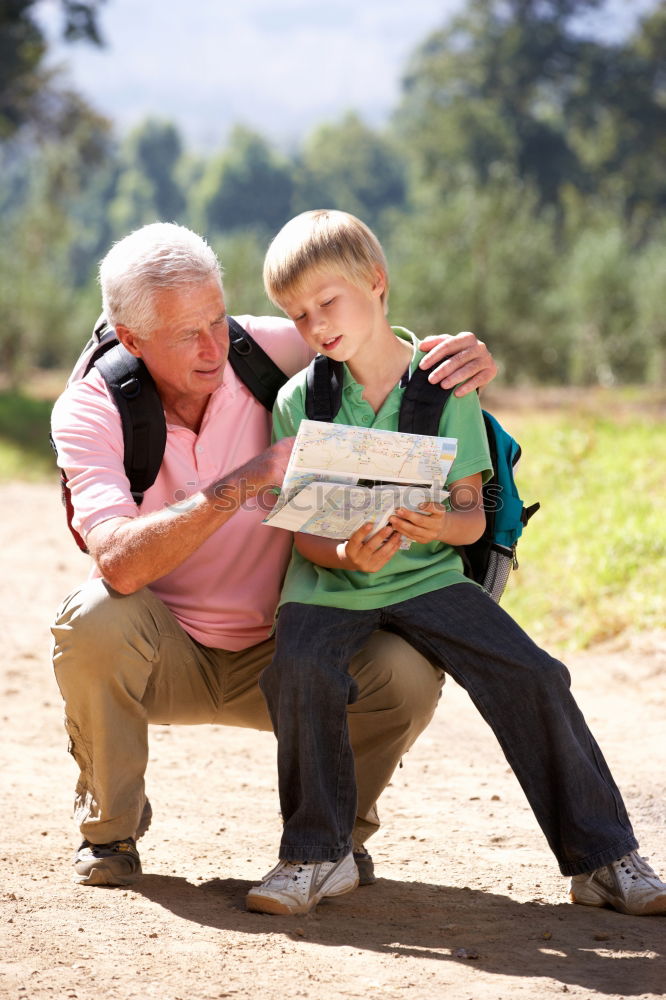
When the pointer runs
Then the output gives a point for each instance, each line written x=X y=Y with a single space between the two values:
x=334 y=316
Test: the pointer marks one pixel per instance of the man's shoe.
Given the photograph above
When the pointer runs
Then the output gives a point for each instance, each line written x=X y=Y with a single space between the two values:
x=628 y=885
x=117 y=863
x=366 y=867
x=297 y=888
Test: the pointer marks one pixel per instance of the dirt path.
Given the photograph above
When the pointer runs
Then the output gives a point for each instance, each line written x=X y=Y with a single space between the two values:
x=469 y=905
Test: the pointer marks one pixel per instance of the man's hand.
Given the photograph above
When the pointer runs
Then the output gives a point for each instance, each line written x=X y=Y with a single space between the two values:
x=132 y=552
x=368 y=554
x=267 y=469
x=280 y=453
x=462 y=358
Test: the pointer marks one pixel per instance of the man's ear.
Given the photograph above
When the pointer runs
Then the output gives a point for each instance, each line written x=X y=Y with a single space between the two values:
x=129 y=340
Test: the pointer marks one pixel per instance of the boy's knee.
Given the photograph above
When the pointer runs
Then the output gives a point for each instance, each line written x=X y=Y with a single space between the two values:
x=392 y=675
x=550 y=675
x=303 y=679
x=297 y=657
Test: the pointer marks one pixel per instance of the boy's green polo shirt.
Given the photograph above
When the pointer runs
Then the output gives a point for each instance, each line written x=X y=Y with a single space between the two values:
x=411 y=572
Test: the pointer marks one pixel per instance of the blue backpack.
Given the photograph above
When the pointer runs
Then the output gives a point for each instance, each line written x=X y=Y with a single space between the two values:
x=489 y=560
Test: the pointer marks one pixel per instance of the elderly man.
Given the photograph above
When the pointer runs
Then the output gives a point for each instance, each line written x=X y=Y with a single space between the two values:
x=174 y=624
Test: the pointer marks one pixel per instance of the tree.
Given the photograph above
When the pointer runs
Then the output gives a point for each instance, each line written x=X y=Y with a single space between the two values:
x=41 y=305
x=649 y=271
x=248 y=186
x=51 y=141
x=156 y=148
x=482 y=260
x=617 y=121
x=351 y=167
x=147 y=188
x=514 y=83
x=27 y=90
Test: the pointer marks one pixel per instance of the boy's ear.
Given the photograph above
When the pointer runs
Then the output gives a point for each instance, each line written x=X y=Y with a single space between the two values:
x=379 y=284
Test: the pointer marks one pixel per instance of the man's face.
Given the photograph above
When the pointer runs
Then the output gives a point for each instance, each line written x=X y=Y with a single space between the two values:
x=187 y=350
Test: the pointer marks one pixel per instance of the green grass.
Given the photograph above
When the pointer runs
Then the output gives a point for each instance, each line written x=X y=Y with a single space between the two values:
x=593 y=559
x=25 y=452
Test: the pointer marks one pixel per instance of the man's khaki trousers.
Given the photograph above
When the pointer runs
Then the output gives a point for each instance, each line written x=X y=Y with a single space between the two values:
x=123 y=662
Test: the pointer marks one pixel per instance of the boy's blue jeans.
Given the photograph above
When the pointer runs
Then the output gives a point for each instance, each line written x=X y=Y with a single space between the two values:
x=521 y=691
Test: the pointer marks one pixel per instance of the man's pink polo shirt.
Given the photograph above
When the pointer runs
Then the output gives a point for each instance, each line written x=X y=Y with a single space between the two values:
x=225 y=594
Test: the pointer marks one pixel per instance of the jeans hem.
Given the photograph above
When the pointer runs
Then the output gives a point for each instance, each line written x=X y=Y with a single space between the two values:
x=601 y=858
x=309 y=853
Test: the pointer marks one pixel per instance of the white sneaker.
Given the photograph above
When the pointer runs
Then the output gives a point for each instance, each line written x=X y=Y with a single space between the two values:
x=628 y=885
x=297 y=888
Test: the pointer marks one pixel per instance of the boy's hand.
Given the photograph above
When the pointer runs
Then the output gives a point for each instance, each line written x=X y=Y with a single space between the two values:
x=463 y=358
x=425 y=527
x=368 y=554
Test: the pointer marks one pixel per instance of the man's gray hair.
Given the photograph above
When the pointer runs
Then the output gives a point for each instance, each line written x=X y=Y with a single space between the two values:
x=160 y=255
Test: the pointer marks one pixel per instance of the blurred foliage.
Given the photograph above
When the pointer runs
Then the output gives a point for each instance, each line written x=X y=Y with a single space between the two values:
x=30 y=95
x=350 y=167
x=592 y=560
x=25 y=452
x=483 y=260
x=519 y=191
x=146 y=187
x=514 y=83
x=242 y=257
x=248 y=186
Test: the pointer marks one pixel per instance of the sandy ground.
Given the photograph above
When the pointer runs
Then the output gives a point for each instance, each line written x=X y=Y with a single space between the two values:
x=469 y=904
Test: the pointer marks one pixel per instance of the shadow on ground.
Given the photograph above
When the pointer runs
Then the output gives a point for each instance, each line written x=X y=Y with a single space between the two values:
x=621 y=955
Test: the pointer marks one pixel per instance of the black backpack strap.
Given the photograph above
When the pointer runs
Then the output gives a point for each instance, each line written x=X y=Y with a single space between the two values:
x=100 y=327
x=141 y=414
x=422 y=405
x=323 y=396
x=528 y=512
x=253 y=366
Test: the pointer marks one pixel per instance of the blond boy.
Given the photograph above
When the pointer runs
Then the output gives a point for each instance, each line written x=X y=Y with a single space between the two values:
x=327 y=271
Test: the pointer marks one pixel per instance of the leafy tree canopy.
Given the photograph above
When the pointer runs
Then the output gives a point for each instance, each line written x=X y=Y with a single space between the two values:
x=514 y=83
x=27 y=90
x=248 y=186
x=349 y=166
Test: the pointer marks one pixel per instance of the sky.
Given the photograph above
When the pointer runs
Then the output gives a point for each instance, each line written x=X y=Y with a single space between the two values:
x=280 y=68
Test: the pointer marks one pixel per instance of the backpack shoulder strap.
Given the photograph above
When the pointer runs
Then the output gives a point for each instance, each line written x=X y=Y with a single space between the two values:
x=141 y=414
x=102 y=339
x=253 y=365
x=420 y=411
x=323 y=397
x=422 y=405
x=140 y=407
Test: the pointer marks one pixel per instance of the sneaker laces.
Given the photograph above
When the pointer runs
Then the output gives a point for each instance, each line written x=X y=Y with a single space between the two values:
x=635 y=866
x=283 y=873
x=642 y=865
x=279 y=867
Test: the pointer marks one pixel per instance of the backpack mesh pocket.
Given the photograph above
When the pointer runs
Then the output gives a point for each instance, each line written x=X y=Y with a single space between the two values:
x=501 y=561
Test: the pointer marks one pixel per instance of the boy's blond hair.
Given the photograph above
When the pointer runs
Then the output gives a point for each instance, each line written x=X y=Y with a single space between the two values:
x=323 y=240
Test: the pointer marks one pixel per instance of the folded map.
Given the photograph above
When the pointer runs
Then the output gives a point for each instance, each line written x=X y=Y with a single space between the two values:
x=341 y=477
